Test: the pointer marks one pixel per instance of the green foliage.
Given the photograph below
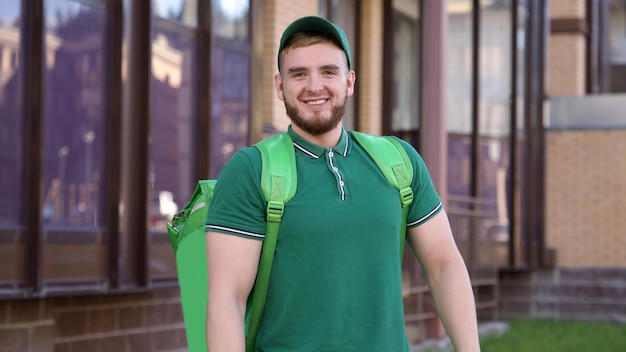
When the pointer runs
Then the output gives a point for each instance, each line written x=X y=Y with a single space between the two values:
x=556 y=336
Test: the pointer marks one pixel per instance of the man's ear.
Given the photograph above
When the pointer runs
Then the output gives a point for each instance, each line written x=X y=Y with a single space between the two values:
x=351 y=81
x=278 y=85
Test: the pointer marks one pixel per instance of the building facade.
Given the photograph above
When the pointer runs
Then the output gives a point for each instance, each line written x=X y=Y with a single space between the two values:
x=110 y=110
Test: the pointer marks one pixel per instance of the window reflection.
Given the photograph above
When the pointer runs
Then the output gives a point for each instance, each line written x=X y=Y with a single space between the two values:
x=230 y=81
x=173 y=89
x=406 y=76
x=230 y=116
x=495 y=97
x=230 y=19
x=459 y=96
x=11 y=132
x=74 y=114
x=617 y=40
x=181 y=11
x=344 y=14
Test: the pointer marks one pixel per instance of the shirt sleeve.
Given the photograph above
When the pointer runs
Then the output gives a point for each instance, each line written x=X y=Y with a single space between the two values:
x=238 y=205
x=426 y=200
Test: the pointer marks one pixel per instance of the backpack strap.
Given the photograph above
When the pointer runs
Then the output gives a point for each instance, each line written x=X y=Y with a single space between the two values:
x=190 y=216
x=395 y=164
x=278 y=184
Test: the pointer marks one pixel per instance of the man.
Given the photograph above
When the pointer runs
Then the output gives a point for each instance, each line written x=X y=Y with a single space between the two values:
x=336 y=279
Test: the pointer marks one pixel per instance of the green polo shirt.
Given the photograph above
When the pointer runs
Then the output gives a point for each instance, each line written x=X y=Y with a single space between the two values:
x=336 y=282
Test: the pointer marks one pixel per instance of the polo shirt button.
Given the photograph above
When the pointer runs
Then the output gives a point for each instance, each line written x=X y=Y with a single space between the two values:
x=331 y=154
x=335 y=169
x=341 y=183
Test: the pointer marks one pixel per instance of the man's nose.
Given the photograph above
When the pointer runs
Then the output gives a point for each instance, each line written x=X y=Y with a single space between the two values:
x=315 y=83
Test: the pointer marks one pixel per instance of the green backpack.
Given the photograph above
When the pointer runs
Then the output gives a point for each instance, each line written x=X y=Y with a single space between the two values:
x=278 y=184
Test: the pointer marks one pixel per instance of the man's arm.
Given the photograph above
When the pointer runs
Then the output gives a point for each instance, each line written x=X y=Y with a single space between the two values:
x=448 y=279
x=232 y=266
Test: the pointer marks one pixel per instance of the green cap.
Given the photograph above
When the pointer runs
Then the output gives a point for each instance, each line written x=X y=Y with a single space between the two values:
x=315 y=23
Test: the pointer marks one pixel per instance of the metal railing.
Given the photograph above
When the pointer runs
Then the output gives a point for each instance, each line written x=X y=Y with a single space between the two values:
x=482 y=240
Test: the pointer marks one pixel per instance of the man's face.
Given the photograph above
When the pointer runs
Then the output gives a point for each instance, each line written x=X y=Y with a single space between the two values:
x=314 y=83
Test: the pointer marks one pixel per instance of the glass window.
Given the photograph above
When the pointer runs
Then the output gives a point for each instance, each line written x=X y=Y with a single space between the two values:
x=172 y=133
x=230 y=84
x=11 y=149
x=75 y=136
x=617 y=45
x=231 y=19
x=495 y=96
x=459 y=96
x=11 y=127
x=74 y=114
x=405 y=111
x=181 y=11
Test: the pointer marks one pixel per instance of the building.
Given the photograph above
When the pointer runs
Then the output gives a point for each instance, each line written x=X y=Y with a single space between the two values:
x=110 y=110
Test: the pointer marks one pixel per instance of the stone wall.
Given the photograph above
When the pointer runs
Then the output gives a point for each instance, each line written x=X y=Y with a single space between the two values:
x=580 y=294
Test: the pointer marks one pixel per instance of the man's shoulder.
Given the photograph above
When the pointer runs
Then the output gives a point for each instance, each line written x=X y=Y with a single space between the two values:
x=246 y=155
x=246 y=161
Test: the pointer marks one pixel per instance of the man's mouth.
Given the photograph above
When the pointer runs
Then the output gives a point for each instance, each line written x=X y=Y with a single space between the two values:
x=315 y=102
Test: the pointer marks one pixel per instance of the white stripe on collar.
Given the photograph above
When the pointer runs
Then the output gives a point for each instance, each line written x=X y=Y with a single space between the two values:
x=305 y=151
x=344 y=154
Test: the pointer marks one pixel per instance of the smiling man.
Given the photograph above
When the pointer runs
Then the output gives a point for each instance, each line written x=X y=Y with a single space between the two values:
x=336 y=281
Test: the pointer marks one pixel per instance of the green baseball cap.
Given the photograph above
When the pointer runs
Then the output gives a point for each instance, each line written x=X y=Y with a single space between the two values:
x=315 y=23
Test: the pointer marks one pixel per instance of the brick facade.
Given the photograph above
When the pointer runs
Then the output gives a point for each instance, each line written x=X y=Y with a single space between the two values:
x=586 y=197
x=566 y=51
x=127 y=322
x=566 y=55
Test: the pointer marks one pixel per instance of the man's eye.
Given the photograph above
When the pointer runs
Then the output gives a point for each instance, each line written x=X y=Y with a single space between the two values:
x=328 y=73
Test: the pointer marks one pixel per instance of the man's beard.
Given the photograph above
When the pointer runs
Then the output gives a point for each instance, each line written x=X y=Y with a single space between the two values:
x=316 y=125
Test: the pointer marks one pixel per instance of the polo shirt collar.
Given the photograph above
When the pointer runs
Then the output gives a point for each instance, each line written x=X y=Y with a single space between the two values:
x=316 y=151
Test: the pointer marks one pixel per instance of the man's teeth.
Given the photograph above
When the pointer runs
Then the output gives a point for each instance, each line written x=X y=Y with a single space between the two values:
x=316 y=102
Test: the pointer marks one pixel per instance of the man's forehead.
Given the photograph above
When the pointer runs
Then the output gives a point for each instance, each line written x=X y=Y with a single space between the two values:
x=316 y=56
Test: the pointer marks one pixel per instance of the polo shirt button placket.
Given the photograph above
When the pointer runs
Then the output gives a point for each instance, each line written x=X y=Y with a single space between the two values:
x=337 y=174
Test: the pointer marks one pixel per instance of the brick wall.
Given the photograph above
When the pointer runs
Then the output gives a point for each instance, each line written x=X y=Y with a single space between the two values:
x=566 y=62
x=26 y=326
x=566 y=51
x=586 y=197
x=126 y=322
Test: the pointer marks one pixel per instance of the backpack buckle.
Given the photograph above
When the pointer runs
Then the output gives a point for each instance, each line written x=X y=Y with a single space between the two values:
x=406 y=196
x=275 y=210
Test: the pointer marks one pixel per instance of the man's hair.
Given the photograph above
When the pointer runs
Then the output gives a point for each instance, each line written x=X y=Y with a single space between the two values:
x=304 y=39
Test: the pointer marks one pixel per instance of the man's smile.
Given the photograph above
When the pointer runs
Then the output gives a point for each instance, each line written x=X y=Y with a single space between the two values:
x=315 y=102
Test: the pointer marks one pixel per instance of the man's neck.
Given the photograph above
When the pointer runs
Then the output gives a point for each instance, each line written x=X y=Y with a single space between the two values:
x=326 y=140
